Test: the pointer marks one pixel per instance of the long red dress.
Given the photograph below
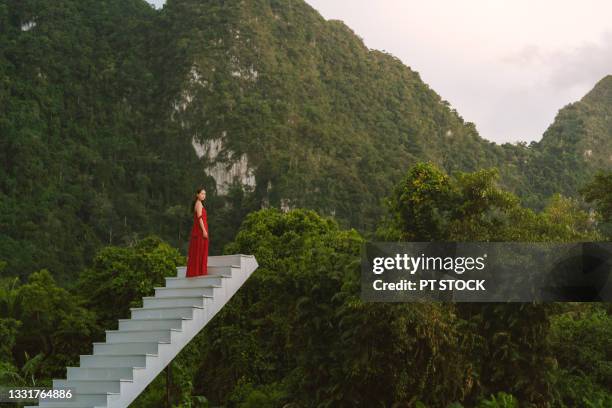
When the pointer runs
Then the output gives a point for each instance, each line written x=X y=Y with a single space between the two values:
x=197 y=258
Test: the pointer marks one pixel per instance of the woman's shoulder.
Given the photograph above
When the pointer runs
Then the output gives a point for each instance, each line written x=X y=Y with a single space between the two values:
x=195 y=208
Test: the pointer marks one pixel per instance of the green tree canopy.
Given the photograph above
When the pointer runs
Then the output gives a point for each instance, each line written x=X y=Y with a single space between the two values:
x=121 y=276
x=599 y=192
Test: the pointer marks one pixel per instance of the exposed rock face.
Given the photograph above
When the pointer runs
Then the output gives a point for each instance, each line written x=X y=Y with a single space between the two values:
x=223 y=165
x=28 y=25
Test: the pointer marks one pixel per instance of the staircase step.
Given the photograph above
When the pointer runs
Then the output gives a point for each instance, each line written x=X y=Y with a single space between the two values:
x=234 y=259
x=79 y=400
x=213 y=270
x=152 y=323
x=139 y=336
x=64 y=405
x=90 y=386
x=214 y=265
x=201 y=281
x=101 y=373
x=191 y=291
x=124 y=360
x=120 y=348
x=174 y=301
x=230 y=270
x=163 y=312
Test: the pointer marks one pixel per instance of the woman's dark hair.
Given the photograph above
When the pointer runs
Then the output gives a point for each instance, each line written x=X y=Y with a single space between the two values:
x=195 y=198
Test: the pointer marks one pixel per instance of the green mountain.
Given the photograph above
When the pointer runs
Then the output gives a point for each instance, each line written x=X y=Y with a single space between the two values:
x=575 y=146
x=111 y=113
x=299 y=109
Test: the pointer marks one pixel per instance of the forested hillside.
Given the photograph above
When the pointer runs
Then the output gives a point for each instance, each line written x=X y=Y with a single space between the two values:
x=85 y=161
x=111 y=113
x=576 y=146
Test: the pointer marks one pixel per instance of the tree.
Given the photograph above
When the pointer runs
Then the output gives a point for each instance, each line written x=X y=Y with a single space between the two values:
x=54 y=324
x=121 y=276
x=599 y=192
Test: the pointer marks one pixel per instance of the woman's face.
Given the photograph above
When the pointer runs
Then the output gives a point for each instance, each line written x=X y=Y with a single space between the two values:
x=202 y=195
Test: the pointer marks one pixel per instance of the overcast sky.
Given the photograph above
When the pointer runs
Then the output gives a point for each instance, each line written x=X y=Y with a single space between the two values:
x=506 y=65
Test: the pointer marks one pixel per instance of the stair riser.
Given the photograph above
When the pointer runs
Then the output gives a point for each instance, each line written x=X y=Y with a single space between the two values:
x=64 y=405
x=78 y=401
x=140 y=337
x=223 y=260
x=118 y=349
x=185 y=291
x=226 y=269
x=151 y=324
x=163 y=314
x=113 y=361
x=186 y=302
x=88 y=373
x=89 y=386
x=195 y=282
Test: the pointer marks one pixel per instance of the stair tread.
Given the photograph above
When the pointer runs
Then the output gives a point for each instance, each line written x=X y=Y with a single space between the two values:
x=131 y=342
x=157 y=318
x=141 y=330
x=187 y=287
x=105 y=368
x=120 y=355
x=177 y=297
x=110 y=354
x=96 y=393
x=92 y=379
x=214 y=266
x=219 y=275
x=165 y=307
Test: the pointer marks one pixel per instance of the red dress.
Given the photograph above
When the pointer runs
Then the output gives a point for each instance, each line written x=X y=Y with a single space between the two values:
x=197 y=258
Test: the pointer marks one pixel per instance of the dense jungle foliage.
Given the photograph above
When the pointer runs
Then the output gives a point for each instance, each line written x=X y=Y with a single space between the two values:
x=297 y=332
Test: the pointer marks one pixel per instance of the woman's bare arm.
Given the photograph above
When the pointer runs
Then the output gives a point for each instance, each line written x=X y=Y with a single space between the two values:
x=199 y=212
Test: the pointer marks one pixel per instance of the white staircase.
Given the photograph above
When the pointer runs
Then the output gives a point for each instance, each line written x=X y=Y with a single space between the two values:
x=132 y=356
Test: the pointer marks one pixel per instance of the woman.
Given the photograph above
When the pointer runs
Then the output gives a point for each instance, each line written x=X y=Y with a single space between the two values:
x=197 y=258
